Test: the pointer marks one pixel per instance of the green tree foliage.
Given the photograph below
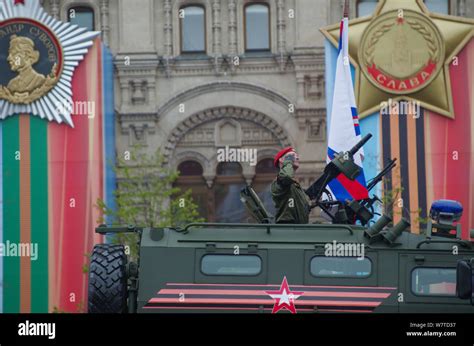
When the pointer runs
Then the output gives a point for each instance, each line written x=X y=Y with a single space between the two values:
x=393 y=197
x=145 y=196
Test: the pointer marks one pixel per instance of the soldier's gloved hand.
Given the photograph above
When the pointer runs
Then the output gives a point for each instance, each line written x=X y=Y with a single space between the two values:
x=290 y=157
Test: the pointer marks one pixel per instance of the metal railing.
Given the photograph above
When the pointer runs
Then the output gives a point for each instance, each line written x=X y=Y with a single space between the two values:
x=268 y=227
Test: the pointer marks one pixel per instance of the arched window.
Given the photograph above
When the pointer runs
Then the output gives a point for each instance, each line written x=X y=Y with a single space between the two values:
x=366 y=7
x=440 y=6
x=221 y=202
x=266 y=166
x=229 y=169
x=257 y=27
x=193 y=29
x=82 y=16
x=190 y=178
x=229 y=182
x=190 y=168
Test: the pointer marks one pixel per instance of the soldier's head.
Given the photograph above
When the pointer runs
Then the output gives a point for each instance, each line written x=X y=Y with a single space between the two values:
x=287 y=154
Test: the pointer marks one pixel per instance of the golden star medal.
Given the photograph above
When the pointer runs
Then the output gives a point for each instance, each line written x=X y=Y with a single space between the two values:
x=403 y=52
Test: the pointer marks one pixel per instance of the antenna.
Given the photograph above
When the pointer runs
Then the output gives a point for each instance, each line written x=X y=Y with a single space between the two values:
x=346 y=9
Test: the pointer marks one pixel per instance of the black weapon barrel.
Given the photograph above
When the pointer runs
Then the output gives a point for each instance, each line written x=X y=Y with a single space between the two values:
x=379 y=176
x=359 y=145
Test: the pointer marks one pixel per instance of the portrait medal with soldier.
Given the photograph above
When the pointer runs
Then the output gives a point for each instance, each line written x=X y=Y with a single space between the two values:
x=31 y=63
x=38 y=56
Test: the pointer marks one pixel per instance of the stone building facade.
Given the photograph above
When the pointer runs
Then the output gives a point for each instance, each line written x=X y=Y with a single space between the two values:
x=192 y=101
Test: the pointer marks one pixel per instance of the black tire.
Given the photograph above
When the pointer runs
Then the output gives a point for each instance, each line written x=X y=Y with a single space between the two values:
x=108 y=280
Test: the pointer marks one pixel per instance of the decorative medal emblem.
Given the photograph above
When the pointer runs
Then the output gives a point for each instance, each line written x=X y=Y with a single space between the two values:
x=401 y=52
x=405 y=53
x=34 y=59
x=38 y=56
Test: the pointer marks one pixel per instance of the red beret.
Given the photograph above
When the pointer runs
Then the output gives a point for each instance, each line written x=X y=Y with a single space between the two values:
x=280 y=154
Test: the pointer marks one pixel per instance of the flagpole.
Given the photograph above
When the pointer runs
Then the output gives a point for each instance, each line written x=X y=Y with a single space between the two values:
x=346 y=9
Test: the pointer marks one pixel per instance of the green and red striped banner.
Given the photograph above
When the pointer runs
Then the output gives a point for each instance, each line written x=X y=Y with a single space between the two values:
x=50 y=180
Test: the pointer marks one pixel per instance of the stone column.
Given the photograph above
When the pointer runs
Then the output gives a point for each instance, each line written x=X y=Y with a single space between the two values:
x=104 y=19
x=125 y=93
x=281 y=27
x=216 y=27
x=300 y=87
x=462 y=8
x=151 y=88
x=168 y=28
x=55 y=9
x=232 y=28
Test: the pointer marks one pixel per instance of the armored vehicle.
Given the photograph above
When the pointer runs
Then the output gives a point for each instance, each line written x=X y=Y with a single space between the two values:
x=343 y=266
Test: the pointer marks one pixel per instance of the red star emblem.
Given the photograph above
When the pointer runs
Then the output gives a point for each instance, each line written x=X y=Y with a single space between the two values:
x=284 y=298
x=19 y=2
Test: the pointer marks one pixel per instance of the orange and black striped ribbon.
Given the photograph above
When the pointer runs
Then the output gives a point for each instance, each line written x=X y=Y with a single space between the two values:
x=403 y=137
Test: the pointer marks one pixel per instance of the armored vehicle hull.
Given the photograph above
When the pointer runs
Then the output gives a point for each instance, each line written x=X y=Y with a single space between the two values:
x=268 y=268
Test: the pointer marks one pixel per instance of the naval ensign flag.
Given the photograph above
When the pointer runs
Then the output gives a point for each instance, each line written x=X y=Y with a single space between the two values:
x=344 y=130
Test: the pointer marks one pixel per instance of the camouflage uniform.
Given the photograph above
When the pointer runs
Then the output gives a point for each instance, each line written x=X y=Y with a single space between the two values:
x=284 y=188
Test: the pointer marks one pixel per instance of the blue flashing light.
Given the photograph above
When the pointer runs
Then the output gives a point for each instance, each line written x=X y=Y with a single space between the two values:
x=445 y=208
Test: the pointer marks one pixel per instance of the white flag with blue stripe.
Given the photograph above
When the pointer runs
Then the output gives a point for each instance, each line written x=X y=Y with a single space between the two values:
x=344 y=130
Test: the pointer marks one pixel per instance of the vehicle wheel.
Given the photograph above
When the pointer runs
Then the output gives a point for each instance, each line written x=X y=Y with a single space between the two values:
x=108 y=280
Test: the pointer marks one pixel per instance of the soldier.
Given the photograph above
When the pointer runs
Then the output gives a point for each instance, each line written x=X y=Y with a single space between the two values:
x=291 y=202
